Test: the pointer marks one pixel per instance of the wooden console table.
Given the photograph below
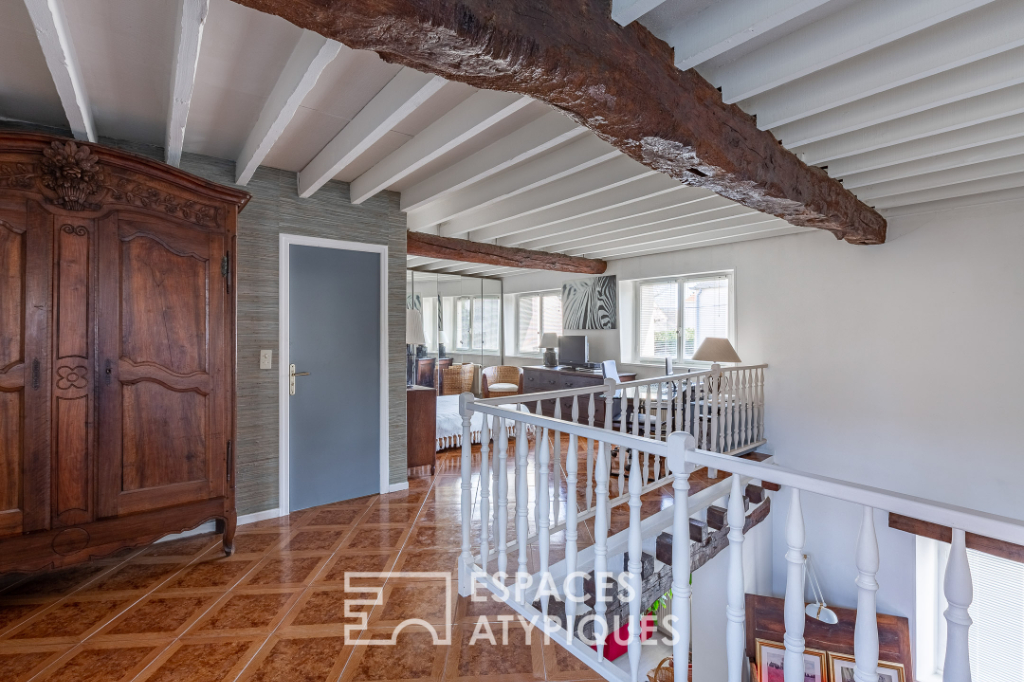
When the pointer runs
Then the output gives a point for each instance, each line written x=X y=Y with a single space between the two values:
x=421 y=423
x=539 y=378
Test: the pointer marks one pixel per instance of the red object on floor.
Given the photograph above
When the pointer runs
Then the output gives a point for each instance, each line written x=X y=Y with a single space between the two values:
x=613 y=649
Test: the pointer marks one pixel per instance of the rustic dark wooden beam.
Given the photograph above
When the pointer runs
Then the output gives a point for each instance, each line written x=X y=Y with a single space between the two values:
x=448 y=248
x=620 y=82
x=999 y=548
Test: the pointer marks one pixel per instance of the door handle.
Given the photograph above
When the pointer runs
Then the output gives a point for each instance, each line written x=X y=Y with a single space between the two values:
x=291 y=378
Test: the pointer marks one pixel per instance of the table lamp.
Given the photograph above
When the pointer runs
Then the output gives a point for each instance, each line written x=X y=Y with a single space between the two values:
x=413 y=337
x=716 y=350
x=442 y=340
x=549 y=342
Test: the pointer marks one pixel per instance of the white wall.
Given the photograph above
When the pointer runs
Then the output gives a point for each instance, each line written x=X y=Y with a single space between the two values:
x=896 y=365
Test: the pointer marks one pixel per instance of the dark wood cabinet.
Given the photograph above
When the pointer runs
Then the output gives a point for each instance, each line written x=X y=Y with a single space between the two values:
x=421 y=422
x=117 y=340
x=538 y=379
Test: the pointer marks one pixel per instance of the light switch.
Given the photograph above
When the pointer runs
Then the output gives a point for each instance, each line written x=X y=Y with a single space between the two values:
x=266 y=359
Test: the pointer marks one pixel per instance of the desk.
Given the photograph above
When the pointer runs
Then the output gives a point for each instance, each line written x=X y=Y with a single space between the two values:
x=539 y=378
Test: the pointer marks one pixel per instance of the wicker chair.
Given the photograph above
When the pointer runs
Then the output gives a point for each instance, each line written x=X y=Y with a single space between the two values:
x=501 y=380
x=453 y=380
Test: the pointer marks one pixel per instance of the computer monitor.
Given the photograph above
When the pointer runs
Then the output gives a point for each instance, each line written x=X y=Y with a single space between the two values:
x=573 y=351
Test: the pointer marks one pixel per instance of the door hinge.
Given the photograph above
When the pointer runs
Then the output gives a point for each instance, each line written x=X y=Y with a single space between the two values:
x=230 y=462
x=225 y=269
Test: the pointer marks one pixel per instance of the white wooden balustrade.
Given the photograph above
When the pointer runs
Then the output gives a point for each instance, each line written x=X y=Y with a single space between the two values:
x=687 y=422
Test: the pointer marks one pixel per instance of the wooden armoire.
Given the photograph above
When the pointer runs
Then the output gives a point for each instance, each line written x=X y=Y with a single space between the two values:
x=117 y=347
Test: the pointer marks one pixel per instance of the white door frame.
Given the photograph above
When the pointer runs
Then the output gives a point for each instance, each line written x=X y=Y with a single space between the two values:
x=284 y=274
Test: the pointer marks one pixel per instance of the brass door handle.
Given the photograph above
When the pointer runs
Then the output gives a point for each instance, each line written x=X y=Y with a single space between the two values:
x=291 y=378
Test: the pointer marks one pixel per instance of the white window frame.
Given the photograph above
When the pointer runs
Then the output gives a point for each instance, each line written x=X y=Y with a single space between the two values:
x=472 y=323
x=540 y=294
x=680 y=281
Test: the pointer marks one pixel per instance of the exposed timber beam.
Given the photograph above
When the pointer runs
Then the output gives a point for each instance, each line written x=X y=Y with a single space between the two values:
x=859 y=28
x=620 y=82
x=470 y=118
x=729 y=23
x=187 y=40
x=404 y=94
x=945 y=46
x=54 y=38
x=310 y=57
x=432 y=246
x=528 y=177
x=547 y=132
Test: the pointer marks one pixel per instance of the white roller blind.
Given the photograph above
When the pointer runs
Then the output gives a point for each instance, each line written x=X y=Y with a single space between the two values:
x=552 y=305
x=659 y=320
x=463 y=323
x=486 y=322
x=528 y=323
x=705 y=311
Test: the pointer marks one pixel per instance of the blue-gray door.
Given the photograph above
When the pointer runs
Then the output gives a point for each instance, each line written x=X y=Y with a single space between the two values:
x=334 y=415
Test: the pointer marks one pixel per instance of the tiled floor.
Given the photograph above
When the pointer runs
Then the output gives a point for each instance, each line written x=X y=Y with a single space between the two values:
x=275 y=610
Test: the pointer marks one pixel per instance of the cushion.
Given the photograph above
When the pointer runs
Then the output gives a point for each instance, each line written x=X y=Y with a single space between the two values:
x=503 y=387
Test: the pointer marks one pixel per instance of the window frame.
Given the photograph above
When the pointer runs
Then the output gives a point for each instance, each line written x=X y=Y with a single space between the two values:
x=680 y=282
x=471 y=299
x=540 y=313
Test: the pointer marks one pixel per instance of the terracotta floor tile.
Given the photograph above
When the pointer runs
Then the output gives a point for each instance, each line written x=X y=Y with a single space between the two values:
x=256 y=543
x=357 y=561
x=13 y=614
x=326 y=607
x=133 y=577
x=202 y=660
x=246 y=613
x=389 y=514
x=299 y=659
x=220 y=573
x=428 y=560
x=102 y=663
x=314 y=540
x=337 y=516
x=186 y=547
x=423 y=536
x=510 y=659
x=431 y=601
x=162 y=616
x=414 y=657
x=376 y=538
x=22 y=665
x=56 y=583
x=70 y=620
x=469 y=610
x=282 y=570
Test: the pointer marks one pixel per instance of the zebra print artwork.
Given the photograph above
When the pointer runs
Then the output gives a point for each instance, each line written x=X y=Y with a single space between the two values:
x=590 y=303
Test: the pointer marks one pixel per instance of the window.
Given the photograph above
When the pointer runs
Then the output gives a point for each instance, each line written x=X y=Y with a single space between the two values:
x=477 y=323
x=537 y=314
x=676 y=315
x=430 y=322
x=996 y=640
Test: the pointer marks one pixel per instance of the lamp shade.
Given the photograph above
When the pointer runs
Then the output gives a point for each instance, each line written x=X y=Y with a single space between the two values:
x=716 y=350
x=414 y=328
x=442 y=336
x=549 y=340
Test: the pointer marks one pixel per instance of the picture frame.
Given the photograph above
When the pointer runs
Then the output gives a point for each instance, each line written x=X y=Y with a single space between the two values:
x=769 y=658
x=841 y=666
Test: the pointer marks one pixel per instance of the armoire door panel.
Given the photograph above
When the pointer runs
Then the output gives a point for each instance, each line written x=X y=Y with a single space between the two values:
x=12 y=300
x=163 y=436
x=11 y=434
x=72 y=301
x=71 y=461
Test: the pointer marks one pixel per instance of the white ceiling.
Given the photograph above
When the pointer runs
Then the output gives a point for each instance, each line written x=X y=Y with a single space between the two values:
x=907 y=101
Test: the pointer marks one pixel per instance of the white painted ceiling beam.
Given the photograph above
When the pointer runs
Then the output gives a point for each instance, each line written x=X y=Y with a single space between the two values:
x=734 y=214
x=608 y=175
x=934 y=164
x=978 y=78
x=858 y=28
x=988 y=31
x=1001 y=182
x=755 y=226
x=420 y=260
x=307 y=61
x=51 y=29
x=187 y=41
x=930 y=147
x=718 y=240
x=635 y=192
x=682 y=229
x=404 y=94
x=558 y=237
x=533 y=139
x=625 y=12
x=942 y=205
x=585 y=153
x=479 y=112
x=729 y=23
x=950 y=117
x=953 y=176
x=678 y=201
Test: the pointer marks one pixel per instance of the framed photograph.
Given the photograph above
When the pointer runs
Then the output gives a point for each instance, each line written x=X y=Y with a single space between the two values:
x=771 y=655
x=842 y=667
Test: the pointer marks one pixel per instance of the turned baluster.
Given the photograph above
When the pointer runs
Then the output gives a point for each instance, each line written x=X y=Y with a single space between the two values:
x=687 y=413
x=522 y=504
x=466 y=558
x=590 y=452
x=485 y=476
x=794 y=606
x=635 y=543
x=501 y=522
x=865 y=633
x=729 y=404
x=556 y=465
x=543 y=455
x=571 y=467
x=601 y=545
x=735 y=610
x=678 y=445
x=958 y=589
x=760 y=403
x=536 y=471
